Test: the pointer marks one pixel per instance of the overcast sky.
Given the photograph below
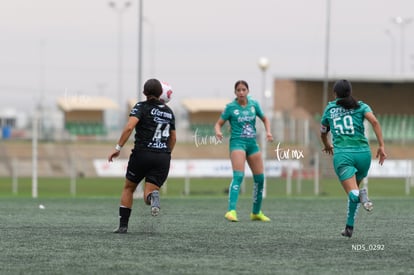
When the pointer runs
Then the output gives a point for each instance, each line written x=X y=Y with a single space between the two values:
x=54 y=48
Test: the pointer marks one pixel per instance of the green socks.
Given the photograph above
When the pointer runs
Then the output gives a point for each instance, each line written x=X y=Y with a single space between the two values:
x=257 y=193
x=353 y=205
x=235 y=189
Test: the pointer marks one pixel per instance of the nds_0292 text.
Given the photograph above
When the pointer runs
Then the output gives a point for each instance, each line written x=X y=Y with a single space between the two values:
x=367 y=247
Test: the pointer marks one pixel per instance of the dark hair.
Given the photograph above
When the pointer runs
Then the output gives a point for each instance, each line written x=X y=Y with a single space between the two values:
x=241 y=82
x=343 y=90
x=152 y=87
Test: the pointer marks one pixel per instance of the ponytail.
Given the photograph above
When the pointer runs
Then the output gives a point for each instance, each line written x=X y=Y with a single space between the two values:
x=348 y=102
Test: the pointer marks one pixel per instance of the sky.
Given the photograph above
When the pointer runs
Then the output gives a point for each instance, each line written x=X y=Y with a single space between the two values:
x=55 y=48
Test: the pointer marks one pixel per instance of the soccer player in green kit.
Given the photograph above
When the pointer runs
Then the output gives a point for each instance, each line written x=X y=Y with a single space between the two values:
x=344 y=118
x=241 y=114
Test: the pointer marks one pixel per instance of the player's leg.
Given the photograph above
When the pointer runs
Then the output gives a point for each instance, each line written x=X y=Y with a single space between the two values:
x=363 y=165
x=155 y=178
x=256 y=165
x=238 y=159
x=365 y=201
x=351 y=188
x=126 y=206
x=345 y=170
x=133 y=177
x=152 y=197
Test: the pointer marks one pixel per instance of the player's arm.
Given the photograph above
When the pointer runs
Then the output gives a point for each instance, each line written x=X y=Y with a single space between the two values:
x=217 y=128
x=378 y=133
x=126 y=133
x=266 y=124
x=328 y=148
x=172 y=140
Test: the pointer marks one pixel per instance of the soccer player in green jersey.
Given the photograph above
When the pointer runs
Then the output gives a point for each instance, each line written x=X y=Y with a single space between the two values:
x=241 y=114
x=344 y=118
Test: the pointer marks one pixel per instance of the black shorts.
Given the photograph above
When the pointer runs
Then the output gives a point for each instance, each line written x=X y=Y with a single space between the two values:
x=153 y=166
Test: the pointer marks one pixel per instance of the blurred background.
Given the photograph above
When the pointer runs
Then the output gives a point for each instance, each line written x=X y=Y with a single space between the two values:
x=71 y=70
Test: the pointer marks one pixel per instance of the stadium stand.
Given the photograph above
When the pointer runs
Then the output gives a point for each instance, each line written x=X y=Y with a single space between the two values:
x=203 y=114
x=84 y=116
x=61 y=159
x=79 y=128
x=203 y=129
x=295 y=102
x=396 y=128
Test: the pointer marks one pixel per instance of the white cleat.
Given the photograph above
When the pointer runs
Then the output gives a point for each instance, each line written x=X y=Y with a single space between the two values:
x=366 y=203
x=369 y=206
x=155 y=203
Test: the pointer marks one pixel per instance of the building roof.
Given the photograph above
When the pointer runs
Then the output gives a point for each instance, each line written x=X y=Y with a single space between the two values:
x=397 y=79
x=205 y=104
x=86 y=103
x=9 y=112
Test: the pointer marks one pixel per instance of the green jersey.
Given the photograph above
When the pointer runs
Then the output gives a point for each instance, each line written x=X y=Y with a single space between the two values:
x=242 y=119
x=347 y=127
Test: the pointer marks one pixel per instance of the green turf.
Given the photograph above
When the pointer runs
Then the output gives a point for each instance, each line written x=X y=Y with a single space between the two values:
x=111 y=187
x=73 y=236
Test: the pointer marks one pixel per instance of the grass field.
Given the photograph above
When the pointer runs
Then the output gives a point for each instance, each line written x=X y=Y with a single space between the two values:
x=73 y=236
x=111 y=187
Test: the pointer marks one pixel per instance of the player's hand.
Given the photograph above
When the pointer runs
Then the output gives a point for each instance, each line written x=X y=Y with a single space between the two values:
x=219 y=135
x=328 y=149
x=381 y=155
x=269 y=137
x=113 y=155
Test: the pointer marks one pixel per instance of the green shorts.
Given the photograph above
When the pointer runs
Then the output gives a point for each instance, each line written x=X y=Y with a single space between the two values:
x=249 y=145
x=347 y=164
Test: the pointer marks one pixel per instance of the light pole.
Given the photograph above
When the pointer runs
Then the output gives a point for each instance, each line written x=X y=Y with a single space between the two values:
x=393 y=53
x=264 y=65
x=120 y=9
x=327 y=48
x=151 y=53
x=140 y=22
x=35 y=136
x=402 y=23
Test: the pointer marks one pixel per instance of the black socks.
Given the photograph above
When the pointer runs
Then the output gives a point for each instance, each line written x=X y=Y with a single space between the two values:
x=124 y=214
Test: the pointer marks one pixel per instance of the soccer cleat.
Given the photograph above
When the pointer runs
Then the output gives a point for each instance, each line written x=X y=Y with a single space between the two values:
x=155 y=203
x=347 y=231
x=121 y=230
x=231 y=216
x=259 y=217
x=366 y=203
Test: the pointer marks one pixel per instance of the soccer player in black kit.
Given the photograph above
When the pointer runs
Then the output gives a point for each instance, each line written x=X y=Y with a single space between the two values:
x=155 y=138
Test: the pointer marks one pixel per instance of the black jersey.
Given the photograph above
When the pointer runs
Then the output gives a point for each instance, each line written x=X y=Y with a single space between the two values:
x=156 y=120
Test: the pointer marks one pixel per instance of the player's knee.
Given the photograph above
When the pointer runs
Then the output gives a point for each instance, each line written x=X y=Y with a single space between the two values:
x=129 y=187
